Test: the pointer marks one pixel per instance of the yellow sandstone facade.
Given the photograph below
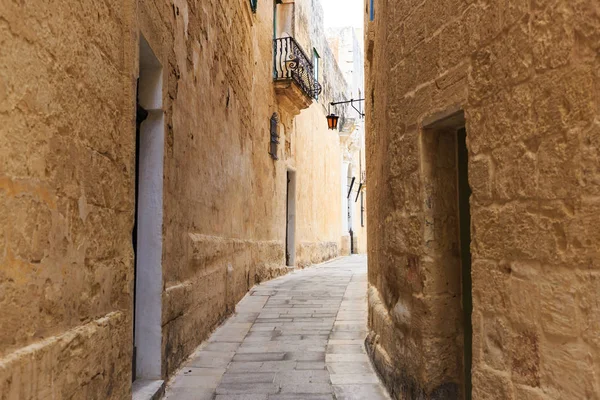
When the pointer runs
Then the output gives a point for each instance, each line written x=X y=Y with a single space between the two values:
x=501 y=99
x=194 y=82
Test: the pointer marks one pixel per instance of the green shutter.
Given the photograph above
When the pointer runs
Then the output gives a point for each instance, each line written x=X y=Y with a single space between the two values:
x=253 y=4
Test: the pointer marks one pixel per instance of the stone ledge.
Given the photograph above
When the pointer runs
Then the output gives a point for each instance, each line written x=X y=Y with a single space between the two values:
x=68 y=364
x=291 y=97
x=310 y=253
x=400 y=382
x=68 y=336
x=147 y=389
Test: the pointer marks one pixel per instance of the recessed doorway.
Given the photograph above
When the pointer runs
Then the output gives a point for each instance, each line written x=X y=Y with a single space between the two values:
x=464 y=229
x=350 y=208
x=147 y=233
x=290 y=229
x=448 y=241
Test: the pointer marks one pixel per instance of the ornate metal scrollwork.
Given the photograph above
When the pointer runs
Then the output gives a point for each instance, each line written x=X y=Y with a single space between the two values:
x=292 y=63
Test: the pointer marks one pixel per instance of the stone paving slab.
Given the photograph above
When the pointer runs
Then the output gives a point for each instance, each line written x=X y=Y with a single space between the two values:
x=360 y=392
x=298 y=337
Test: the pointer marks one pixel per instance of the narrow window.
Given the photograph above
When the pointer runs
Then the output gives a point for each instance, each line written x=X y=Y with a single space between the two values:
x=274 y=142
x=372 y=10
x=290 y=224
x=315 y=60
x=362 y=209
x=253 y=4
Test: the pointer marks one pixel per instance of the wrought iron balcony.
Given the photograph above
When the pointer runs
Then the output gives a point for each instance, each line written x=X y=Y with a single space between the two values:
x=292 y=65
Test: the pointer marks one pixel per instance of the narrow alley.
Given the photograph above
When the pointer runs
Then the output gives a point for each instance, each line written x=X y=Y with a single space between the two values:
x=193 y=191
x=297 y=337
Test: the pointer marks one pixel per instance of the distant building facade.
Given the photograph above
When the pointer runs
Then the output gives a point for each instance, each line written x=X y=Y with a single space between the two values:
x=348 y=51
x=483 y=138
x=157 y=159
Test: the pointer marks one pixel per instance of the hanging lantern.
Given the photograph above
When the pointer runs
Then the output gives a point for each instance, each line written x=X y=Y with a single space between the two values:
x=332 y=121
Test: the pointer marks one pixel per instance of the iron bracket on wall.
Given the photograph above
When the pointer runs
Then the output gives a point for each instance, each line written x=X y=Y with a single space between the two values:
x=358 y=193
x=351 y=101
x=351 y=186
x=274 y=142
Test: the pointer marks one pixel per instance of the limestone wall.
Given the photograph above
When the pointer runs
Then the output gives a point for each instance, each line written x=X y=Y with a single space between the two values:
x=68 y=77
x=66 y=199
x=317 y=159
x=524 y=74
x=347 y=50
x=317 y=146
x=359 y=210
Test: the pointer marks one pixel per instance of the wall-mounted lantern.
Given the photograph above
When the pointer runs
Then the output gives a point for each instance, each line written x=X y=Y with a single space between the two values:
x=274 y=137
x=332 y=119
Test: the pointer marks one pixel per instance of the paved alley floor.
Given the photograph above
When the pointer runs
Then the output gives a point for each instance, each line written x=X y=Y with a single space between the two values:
x=300 y=336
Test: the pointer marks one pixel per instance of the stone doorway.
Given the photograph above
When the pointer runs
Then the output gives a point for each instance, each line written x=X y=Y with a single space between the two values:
x=350 y=208
x=290 y=228
x=464 y=229
x=464 y=218
x=147 y=236
x=448 y=239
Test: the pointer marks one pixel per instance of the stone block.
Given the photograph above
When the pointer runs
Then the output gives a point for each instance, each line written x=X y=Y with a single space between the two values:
x=247 y=388
x=559 y=306
x=554 y=244
x=491 y=385
x=441 y=276
x=525 y=358
x=527 y=393
x=496 y=343
x=241 y=397
x=582 y=234
x=480 y=178
x=219 y=359
x=514 y=55
x=554 y=36
x=506 y=118
x=559 y=166
x=562 y=100
x=483 y=24
x=425 y=60
x=490 y=287
x=506 y=232
x=590 y=160
x=567 y=370
x=354 y=379
x=524 y=295
x=437 y=316
x=415 y=28
x=589 y=286
x=248 y=377
x=358 y=392
x=515 y=173
x=446 y=354
x=587 y=22
x=336 y=358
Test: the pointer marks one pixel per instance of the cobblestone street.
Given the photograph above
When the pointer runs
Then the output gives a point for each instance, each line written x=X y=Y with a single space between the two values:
x=297 y=337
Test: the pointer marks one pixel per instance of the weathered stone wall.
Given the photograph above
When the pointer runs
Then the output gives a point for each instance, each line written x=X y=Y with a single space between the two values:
x=66 y=200
x=526 y=76
x=319 y=153
x=67 y=164
x=347 y=49
x=225 y=196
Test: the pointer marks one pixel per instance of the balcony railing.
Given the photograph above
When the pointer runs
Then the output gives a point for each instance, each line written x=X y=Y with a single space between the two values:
x=291 y=63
